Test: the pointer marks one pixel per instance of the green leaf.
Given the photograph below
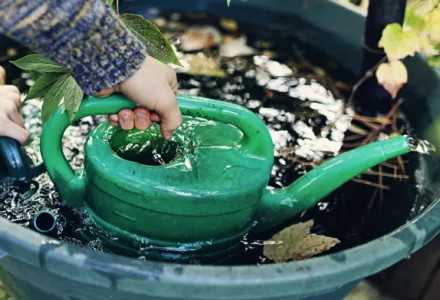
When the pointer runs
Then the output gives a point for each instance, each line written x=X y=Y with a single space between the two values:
x=110 y=2
x=39 y=63
x=157 y=45
x=229 y=2
x=433 y=25
x=422 y=7
x=42 y=85
x=65 y=88
x=399 y=43
x=414 y=20
x=73 y=97
x=434 y=61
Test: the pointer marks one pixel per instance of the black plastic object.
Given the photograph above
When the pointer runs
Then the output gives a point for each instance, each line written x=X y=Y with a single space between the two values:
x=44 y=222
x=372 y=98
x=15 y=161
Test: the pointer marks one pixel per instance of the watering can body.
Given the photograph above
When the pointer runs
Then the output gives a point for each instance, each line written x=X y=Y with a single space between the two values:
x=198 y=206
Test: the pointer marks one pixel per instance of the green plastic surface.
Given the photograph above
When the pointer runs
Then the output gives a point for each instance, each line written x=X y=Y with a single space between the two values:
x=209 y=195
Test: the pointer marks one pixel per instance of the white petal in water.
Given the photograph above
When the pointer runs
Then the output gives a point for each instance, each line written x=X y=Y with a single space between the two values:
x=314 y=149
x=281 y=85
x=268 y=112
x=278 y=70
x=312 y=92
x=253 y=103
x=279 y=139
x=304 y=130
x=236 y=48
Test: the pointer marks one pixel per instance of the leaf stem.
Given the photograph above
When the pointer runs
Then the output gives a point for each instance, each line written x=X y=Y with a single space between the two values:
x=117 y=7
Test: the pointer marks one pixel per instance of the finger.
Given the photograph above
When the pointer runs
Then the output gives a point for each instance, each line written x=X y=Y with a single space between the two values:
x=142 y=120
x=2 y=76
x=14 y=131
x=172 y=80
x=155 y=117
x=126 y=119
x=17 y=118
x=170 y=115
x=114 y=124
x=113 y=118
x=105 y=92
x=11 y=92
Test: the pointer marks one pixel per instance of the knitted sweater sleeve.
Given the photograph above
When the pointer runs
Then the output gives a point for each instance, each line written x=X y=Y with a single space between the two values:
x=84 y=36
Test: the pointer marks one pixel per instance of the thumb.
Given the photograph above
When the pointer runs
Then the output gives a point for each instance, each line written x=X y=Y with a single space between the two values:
x=169 y=113
x=2 y=76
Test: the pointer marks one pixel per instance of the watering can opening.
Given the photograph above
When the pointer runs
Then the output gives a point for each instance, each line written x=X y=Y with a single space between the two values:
x=145 y=147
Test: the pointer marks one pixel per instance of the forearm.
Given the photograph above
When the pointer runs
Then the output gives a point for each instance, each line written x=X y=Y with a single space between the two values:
x=84 y=36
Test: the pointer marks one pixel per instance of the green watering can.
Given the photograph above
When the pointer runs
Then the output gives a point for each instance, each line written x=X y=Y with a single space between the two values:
x=211 y=193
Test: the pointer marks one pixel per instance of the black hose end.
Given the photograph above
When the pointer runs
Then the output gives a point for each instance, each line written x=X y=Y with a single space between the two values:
x=44 y=222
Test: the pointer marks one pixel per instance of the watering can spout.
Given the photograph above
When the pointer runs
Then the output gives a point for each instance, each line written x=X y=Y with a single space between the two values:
x=278 y=206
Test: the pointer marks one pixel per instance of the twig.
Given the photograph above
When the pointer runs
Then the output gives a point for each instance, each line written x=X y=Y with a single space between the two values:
x=117 y=7
x=368 y=74
x=357 y=180
x=385 y=174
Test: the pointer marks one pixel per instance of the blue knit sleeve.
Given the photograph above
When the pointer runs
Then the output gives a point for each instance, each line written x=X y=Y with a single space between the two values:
x=84 y=36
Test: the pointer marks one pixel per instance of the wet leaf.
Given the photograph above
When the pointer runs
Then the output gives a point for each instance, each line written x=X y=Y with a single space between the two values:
x=200 y=37
x=399 y=43
x=296 y=243
x=37 y=62
x=392 y=76
x=229 y=24
x=42 y=85
x=202 y=65
x=65 y=88
x=157 y=45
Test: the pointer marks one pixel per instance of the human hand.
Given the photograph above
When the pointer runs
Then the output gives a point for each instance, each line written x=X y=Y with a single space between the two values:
x=153 y=88
x=11 y=120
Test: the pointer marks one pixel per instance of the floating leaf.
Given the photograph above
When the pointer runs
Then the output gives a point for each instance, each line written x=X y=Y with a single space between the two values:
x=39 y=63
x=392 y=76
x=202 y=65
x=42 y=85
x=200 y=37
x=296 y=243
x=399 y=43
x=157 y=45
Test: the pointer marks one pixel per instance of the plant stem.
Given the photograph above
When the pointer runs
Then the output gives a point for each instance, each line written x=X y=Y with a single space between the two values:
x=117 y=7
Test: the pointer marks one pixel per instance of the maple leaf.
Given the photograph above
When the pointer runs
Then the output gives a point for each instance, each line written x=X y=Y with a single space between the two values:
x=392 y=76
x=296 y=243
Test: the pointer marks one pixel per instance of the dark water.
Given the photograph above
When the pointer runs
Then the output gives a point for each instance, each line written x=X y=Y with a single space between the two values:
x=303 y=105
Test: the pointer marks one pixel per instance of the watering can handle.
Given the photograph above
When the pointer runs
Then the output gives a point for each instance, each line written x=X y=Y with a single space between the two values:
x=71 y=186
